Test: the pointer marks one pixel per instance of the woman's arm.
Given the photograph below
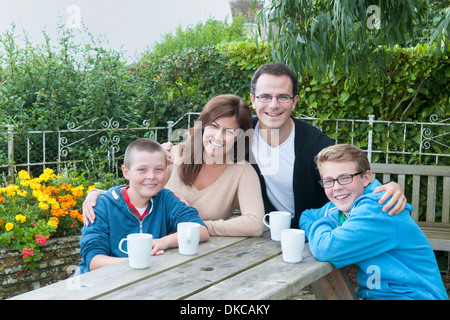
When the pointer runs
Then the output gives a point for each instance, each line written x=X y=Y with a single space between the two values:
x=249 y=223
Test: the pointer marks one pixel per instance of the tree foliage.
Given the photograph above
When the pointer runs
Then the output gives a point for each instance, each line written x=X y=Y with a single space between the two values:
x=319 y=37
x=209 y=33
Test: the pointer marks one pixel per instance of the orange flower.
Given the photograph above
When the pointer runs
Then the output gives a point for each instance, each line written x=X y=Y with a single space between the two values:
x=74 y=213
x=66 y=186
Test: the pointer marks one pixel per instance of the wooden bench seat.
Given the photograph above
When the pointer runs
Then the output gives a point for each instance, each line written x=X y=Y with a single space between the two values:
x=438 y=235
x=435 y=223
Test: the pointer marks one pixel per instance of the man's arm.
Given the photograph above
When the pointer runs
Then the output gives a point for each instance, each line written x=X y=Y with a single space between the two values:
x=398 y=201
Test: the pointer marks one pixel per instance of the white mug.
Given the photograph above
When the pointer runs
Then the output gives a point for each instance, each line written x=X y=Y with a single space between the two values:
x=278 y=220
x=292 y=244
x=139 y=249
x=188 y=234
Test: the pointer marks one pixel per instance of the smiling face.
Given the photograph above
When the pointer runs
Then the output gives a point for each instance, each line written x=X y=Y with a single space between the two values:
x=146 y=175
x=274 y=115
x=343 y=196
x=219 y=137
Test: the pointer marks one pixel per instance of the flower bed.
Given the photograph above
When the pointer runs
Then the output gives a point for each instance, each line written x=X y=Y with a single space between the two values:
x=34 y=209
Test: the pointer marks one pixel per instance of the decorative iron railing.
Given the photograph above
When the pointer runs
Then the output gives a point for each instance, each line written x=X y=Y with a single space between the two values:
x=384 y=141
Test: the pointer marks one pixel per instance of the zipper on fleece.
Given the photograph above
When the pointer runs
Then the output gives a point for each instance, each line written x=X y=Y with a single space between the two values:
x=141 y=222
x=117 y=197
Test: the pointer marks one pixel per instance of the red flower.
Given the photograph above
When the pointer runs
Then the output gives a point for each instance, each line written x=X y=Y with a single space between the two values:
x=27 y=252
x=40 y=239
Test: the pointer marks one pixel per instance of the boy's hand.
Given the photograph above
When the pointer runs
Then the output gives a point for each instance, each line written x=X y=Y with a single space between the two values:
x=161 y=244
x=158 y=247
x=392 y=189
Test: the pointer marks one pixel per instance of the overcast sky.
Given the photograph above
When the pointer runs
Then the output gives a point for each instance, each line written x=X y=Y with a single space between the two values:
x=132 y=24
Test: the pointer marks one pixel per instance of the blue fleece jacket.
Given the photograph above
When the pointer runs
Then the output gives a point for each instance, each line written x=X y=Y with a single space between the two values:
x=114 y=221
x=393 y=255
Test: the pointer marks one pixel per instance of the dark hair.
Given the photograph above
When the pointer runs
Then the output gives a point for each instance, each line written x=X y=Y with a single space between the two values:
x=276 y=69
x=141 y=144
x=226 y=105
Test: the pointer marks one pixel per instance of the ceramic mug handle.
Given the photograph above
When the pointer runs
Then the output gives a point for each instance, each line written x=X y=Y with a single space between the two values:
x=120 y=245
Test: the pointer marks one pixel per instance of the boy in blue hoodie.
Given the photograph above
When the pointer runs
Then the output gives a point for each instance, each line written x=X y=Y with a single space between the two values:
x=142 y=206
x=393 y=255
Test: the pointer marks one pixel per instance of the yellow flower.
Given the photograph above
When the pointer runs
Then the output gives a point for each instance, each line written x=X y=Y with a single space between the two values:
x=23 y=175
x=43 y=205
x=53 y=223
x=11 y=190
x=9 y=226
x=77 y=192
x=21 y=218
x=92 y=187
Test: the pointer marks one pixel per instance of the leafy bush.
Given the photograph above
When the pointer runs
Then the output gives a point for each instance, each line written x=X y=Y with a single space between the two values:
x=415 y=87
x=184 y=81
x=200 y=35
x=44 y=87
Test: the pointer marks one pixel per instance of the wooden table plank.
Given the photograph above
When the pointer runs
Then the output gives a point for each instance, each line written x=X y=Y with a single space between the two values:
x=196 y=275
x=273 y=279
x=98 y=282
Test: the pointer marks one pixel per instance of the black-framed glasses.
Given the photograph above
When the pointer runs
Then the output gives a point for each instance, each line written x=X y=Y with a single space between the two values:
x=282 y=98
x=342 y=180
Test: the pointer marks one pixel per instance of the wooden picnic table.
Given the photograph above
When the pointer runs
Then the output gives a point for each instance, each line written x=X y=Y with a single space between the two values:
x=224 y=268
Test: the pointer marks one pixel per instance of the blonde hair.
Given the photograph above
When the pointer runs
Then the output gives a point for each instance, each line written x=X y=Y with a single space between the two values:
x=343 y=153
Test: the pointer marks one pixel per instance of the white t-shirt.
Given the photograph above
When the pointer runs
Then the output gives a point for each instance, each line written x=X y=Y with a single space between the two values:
x=277 y=167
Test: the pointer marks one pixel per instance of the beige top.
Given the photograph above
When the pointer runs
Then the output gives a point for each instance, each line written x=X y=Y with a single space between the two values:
x=237 y=188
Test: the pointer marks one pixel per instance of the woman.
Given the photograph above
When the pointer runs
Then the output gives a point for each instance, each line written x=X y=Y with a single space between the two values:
x=210 y=173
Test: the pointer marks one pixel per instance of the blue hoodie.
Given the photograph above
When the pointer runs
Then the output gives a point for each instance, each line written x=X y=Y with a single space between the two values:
x=393 y=255
x=114 y=221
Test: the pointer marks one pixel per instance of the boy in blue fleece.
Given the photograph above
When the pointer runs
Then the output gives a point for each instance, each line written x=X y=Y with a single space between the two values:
x=142 y=206
x=394 y=257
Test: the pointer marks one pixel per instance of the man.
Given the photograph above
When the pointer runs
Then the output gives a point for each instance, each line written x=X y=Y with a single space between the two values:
x=284 y=148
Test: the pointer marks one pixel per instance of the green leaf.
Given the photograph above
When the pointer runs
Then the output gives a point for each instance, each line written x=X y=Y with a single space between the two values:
x=344 y=96
x=376 y=100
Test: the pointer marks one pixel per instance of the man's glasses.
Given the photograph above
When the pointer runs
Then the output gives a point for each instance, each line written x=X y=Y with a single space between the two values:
x=342 y=180
x=282 y=98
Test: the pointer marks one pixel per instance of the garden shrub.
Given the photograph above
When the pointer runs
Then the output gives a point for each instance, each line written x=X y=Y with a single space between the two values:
x=416 y=86
x=184 y=81
x=44 y=88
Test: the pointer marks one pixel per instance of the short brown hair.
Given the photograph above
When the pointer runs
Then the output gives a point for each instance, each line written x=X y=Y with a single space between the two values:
x=275 y=69
x=343 y=153
x=141 y=144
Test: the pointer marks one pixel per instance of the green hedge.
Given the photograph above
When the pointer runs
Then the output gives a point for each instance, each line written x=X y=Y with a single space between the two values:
x=44 y=88
x=184 y=81
x=416 y=86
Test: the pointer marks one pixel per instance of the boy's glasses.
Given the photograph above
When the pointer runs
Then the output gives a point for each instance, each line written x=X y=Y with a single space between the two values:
x=342 y=180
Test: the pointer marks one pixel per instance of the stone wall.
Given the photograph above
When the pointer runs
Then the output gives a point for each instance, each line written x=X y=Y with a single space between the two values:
x=61 y=256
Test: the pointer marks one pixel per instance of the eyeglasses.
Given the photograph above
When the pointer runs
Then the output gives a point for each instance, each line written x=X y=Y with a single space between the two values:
x=342 y=180
x=282 y=98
